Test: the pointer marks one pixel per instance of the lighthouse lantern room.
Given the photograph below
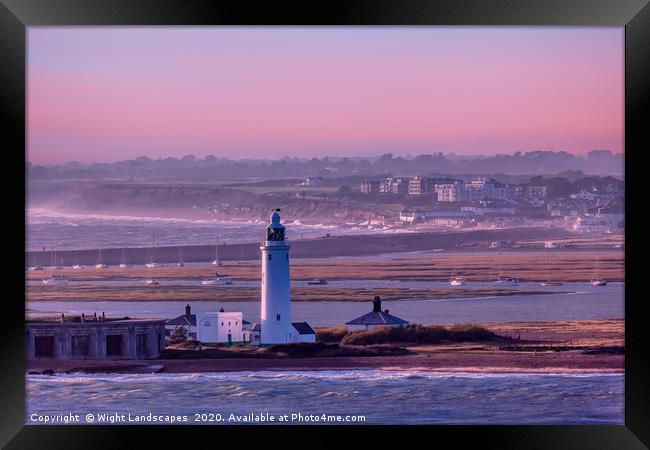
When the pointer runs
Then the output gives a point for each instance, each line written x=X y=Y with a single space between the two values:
x=276 y=296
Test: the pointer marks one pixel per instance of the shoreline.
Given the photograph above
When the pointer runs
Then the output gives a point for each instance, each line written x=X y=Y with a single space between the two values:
x=589 y=346
x=320 y=247
x=573 y=361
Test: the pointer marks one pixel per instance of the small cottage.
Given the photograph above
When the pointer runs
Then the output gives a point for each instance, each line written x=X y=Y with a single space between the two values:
x=375 y=318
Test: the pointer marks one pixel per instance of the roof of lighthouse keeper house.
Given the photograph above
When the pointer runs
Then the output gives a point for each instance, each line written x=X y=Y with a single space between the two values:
x=375 y=318
x=275 y=230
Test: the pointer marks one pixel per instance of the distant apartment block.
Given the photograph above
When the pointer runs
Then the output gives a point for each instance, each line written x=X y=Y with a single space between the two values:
x=421 y=186
x=473 y=190
x=368 y=187
x=528 y=191
x=394 y=186
x=449 y=192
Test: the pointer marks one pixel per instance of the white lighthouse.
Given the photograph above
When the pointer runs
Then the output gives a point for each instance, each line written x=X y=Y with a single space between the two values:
x=276 y=296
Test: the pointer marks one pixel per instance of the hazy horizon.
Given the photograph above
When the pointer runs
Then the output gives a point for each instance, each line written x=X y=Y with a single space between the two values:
x=108 y=94
x=372 y=157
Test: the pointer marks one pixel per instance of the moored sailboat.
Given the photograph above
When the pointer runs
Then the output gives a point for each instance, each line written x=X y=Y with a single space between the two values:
x=504 y=281
x=180 y=263
x=152 y=260
x=456 y=280
x=217 y=281
x=55 y=280
x=100 y=264
x=123 y=263
x=548 y=281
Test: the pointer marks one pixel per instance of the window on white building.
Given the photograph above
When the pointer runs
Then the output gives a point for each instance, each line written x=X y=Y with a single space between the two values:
x=277 y=317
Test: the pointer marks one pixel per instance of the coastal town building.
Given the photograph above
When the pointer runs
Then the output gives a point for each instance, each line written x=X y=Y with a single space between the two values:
x=419 y=215
x=606 y=219
x=530 y=191
x=449 y=192
x=95 y=338
x=375 y=318
x=220 y=327
x=421 y=186
x=312 y=182
x=370 y=186
x=591 y=224
x=255 y=334
x=485 y=209
x=304 y=332
x=182 y=325
x=185 y=327
x=473 y=190
x=394 y=186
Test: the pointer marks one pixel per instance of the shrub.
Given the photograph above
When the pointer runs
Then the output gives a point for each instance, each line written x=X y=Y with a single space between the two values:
x=418 y=334
x=331 y=334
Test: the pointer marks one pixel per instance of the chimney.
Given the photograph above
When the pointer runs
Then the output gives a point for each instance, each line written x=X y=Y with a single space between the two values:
x=95 y=314
x=83 y=317
x=62 y=318
x=221 y=310
x=376 y=304
x=188 y=310
x=103 y=316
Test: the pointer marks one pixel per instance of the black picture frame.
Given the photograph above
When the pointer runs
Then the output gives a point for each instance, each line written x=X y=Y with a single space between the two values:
x=16 y=15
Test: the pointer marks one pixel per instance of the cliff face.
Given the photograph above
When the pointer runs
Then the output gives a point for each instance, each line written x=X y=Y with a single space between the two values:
x=205 y=202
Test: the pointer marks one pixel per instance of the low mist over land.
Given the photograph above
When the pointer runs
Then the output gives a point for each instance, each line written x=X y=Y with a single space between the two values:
x=211 y=168
x=225 y=189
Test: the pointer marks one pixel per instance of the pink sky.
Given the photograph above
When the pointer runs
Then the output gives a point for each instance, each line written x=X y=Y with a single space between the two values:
x=106 y=94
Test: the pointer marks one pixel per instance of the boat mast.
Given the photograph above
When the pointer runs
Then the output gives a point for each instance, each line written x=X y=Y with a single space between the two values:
x=499 y=262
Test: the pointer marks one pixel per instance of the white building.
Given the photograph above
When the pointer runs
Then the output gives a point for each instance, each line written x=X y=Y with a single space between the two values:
x=186 y=323
x=591 y=224
x=476 y=189
x=276 y=326
x=303 y=333
x=312 y=182
x=220 y=327
x=411 y=216
x=276 y=296
x=607 y=219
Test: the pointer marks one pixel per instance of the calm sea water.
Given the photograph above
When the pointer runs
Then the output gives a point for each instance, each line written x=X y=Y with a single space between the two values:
x=383 y=397
x=587 y=302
